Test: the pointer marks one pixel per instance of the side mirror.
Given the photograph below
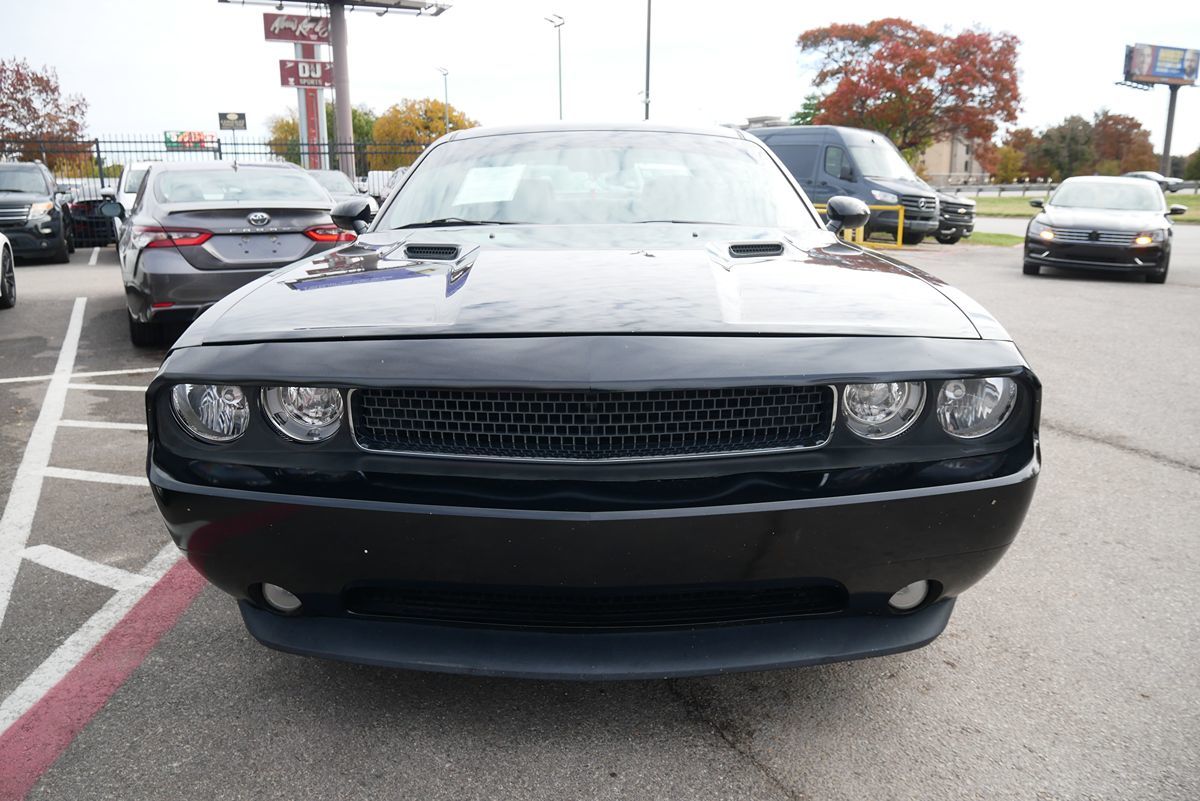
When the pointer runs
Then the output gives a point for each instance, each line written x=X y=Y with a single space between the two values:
x=108 y=191
x=361 y=186
x=62 y=189
x=1177 y=209
x=111 y=208
x=352 y=215
x=846 y=212
x=1037 y=204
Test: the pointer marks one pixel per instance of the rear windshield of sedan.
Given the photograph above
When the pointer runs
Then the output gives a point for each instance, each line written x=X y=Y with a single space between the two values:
x=600 y=177
x=244 y=183
x=1118 y=196
x=334 y=181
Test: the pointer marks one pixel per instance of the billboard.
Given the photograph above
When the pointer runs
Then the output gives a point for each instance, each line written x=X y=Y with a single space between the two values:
x=1158 y=64
x=189 y=140
x=296 y=28
x=302 y=72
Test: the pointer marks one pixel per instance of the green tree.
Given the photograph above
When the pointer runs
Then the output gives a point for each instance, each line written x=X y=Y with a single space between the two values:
x=1191 y=172
x=1009 y=164
x=809 y=111
x=284 y=140
x=362 y=125
x=1067 y=148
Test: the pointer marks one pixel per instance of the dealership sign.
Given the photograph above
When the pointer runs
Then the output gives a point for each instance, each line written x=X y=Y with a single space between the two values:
x=296 y=28
x=189 y=140
x=301 y=73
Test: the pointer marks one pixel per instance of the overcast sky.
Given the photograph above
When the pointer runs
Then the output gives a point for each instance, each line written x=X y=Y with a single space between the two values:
x=151 y=65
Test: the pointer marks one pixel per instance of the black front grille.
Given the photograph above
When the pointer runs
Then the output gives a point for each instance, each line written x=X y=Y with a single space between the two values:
x=14 y=215
x=432 y=252
x=591 y=425
x=913 y=208
x=751 y=249
x=591 y=608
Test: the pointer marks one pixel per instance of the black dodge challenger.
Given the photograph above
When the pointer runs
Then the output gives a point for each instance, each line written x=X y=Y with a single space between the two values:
x=595 y=402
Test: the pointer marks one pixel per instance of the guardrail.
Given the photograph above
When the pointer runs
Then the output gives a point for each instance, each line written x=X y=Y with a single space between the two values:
x=857 y=236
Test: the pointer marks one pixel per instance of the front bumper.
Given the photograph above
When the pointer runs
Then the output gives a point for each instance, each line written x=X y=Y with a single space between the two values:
x=915 y=222
x=956 y=225
x=869 y=545
x=1087 y=256
x=38 y=237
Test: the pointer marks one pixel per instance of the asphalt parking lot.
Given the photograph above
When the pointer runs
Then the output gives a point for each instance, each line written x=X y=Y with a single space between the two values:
x=1068 y=673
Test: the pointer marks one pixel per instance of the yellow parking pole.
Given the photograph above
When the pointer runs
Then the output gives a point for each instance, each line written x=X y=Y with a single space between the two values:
x=857 y=236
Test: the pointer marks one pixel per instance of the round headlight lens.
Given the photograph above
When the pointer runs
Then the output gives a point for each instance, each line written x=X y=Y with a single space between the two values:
x=305 y=414
x=879 y=411
x=969 y=408
x=211 y=412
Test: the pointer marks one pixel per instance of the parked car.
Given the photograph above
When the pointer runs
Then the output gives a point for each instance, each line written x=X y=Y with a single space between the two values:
x=125 y=192
x=341 y=188
x=8 y=275
x=200 y=230
x=35 y=214
x=1164 y=183
x=830 y=160
x=91 y=227
x=956 y=218
x=1101 y=223
x=651 y=420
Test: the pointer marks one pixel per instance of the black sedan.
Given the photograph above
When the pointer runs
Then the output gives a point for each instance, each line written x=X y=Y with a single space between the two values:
x=1099 y=223
x=92 y=227
x=200 y=230
x=595 y=402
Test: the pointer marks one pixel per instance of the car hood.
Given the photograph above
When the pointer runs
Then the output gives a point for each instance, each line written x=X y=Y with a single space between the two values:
x=566 y=280
x=1107 y=219
x=904 y=187
x=22 y=198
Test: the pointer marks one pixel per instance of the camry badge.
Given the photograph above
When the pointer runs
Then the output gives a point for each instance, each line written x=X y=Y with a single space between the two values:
x=258 y=218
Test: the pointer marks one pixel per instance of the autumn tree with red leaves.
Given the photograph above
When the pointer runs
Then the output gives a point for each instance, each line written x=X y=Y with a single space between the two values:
x=1121 y=144
x=32 y=105
x=912 y=84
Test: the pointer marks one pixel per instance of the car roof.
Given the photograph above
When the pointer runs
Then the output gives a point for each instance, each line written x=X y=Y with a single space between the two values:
x=1104 y=179
x=555 y=127
x=160 y=166
x=20 y=165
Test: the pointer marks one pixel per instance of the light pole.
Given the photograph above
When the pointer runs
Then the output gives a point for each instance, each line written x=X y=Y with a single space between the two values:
x=557 y=22
x=445 y=103
x=647 y=96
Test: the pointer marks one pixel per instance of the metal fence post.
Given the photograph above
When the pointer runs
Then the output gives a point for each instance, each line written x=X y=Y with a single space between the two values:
x=99 y=161
x=217 y=150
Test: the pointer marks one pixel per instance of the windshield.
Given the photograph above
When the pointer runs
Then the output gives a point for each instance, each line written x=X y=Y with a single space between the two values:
x=22 y=181
x=1140 y=196
x=881 y=161
x=244 y=183
x=133 y=181
x=334 y=181
x=599 y=177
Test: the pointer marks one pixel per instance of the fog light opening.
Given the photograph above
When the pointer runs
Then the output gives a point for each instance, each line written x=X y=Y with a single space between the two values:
x=910 y=597
x=280 y=599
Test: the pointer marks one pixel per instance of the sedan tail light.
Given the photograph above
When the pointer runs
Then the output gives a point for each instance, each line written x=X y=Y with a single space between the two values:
x=152 y=236
x=329 y=233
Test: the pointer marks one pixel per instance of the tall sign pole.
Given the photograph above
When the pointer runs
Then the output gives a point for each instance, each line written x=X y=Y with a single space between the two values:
x=1147 y=65
x=1165 y=167
x=307 y=75
x=341 y=89
x=647 y=96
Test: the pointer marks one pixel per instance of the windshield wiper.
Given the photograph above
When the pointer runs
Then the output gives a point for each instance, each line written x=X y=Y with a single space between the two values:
x=681 y=222
x=451 y=221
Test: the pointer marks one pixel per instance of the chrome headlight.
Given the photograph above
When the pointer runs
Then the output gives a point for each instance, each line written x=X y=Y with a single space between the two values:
x=304 y=414
x=1150 y=238
x=880 y=411
x=885 y=197
x=213 y=413
x=969 y=408
x=1040 y=230
x=42 y=209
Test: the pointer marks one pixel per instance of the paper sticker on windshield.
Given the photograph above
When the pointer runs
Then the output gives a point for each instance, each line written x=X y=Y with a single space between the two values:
x=489 y=185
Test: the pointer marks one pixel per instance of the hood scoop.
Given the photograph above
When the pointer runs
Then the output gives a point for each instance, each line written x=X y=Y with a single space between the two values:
x=431 y=252
x=755 y=250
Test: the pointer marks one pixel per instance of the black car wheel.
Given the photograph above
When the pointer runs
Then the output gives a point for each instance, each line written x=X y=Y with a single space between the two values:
x=62 y=251
x=949 y=239
x=913 y=239
x=144 y=335
x=8 y=281
x=1031 y=269
x=1159 y=277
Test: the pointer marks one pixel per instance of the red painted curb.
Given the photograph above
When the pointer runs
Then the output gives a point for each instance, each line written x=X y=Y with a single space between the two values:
x=39 y=737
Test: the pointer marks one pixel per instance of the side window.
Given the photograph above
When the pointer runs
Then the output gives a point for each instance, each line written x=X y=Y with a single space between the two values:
x=835 y=160
x=799 y=159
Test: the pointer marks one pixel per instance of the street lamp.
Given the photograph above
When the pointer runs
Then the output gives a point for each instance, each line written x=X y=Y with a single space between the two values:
x=445 y=103
x=646 y=98
x=557 y=22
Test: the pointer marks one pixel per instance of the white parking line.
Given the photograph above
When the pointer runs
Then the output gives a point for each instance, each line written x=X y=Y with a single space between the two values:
x=17 y=520
x=102 y=424
x=29 y=379
x=92 y=475
x=74 y=565
x=75 y=647
x=95 y=255
x=107 y=387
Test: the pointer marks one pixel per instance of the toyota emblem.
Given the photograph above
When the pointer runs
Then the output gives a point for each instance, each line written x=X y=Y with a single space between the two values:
x=258 y=218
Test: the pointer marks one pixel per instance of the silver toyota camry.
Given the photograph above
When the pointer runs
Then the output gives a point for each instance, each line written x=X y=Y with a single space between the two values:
x=197 y=231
